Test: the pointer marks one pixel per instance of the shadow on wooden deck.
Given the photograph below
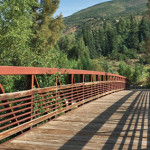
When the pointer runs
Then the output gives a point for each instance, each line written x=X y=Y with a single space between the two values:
x=137 y=108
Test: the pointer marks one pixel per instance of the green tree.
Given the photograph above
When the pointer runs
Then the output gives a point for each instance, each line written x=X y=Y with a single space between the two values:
x=79 y=50
x=121 y=26
x=125 y=70
x=133 y=40
x=136 y=74
x=148 y=6
x=98 y=40
x=46 y=28
x=89 y=40
x=15 y=32
x=67 y=42
x=122 y=68
x=111 y=43
x=148 y=80
x=144 y=30
x=148 y=40
x=101 y=36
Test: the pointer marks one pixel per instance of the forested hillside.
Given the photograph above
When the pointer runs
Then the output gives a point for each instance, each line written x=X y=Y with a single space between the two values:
x=109 y=11
x=116 y=35
x=123 y=41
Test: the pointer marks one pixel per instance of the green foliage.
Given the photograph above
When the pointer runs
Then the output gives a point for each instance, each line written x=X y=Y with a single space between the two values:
x=144 y=29
x=28 y=31
x=89 y=40
x=134 y=74
x=77 y=51
x=148 y=81
x=147 y=45
x=137 y=73
x=46 y=29
x=133 y=40
x=15 y=32
x=125 y=70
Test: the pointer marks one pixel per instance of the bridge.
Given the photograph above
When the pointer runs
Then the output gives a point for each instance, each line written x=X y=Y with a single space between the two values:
x=92 y=110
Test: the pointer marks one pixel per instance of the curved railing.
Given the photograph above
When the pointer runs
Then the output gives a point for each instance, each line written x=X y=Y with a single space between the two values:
x=23 y=110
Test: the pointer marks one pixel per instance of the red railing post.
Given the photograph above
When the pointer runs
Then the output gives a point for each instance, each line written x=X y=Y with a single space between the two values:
x=97 y=79
x=112 y=82
x=109 y=83
x=30 y=85
x=102 y=78
x=1 y=89
x=71 y=80
x=82 y=79
x=91 y=80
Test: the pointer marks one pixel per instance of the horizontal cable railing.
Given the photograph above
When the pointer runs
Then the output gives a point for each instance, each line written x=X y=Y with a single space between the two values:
x=24 y=110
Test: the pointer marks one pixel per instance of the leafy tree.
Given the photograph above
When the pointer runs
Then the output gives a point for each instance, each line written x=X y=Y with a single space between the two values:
x=97 y=44
x=144 y=30
x=89 y=40
x=136 y=74
x=121 y=26
x=133 y=34
x=67 y=42
x=101 y=36
x=148 y=80
x=125 y=70
x=148 y=6
x=15 y=32
x=79 y=50
x=148 y=40
x=122 y=68
x=27 y=32
x=110 y=40
x=47 y=29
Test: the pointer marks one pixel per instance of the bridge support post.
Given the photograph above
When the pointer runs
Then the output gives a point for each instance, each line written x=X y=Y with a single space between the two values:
x=71 y=79
x=82 y=80
x=98 y=79
x=1 y=89
x=30 y=85
x=103 y=84
x=91 y=80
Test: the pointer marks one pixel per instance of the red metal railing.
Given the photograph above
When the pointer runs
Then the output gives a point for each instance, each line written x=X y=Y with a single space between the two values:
x=21 y=111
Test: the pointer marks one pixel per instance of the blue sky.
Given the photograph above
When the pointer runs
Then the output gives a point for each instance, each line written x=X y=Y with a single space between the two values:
x=68 y=7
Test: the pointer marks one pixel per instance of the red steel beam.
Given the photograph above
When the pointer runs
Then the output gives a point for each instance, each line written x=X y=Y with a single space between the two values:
x=1 y=89
x=13 y=70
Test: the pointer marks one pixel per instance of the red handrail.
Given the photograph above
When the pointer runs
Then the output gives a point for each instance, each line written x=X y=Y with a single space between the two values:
x=14 y=70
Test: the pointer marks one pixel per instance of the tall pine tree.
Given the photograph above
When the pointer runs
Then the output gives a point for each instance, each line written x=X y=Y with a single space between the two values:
x=89 y=40
x=133 y=40
x=148 y=40
x=47 y=29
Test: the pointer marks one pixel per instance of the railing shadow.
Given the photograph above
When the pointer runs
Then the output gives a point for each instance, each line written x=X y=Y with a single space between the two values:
x=134 y=110
x=103 y=118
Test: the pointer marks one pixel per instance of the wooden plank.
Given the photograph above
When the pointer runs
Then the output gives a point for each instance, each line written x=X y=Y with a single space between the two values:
x=116 y=121
x=12 y=131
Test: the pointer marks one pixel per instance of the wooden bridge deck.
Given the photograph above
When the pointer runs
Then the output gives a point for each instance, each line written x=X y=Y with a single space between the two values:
x=117 y=121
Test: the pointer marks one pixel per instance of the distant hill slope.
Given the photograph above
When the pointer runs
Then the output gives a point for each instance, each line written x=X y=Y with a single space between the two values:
x=112 y=9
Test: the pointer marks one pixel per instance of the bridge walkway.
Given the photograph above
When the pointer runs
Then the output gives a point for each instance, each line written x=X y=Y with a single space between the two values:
x=117 y=121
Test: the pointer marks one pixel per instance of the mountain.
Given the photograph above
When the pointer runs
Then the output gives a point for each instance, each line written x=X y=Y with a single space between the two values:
x=108 y=10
